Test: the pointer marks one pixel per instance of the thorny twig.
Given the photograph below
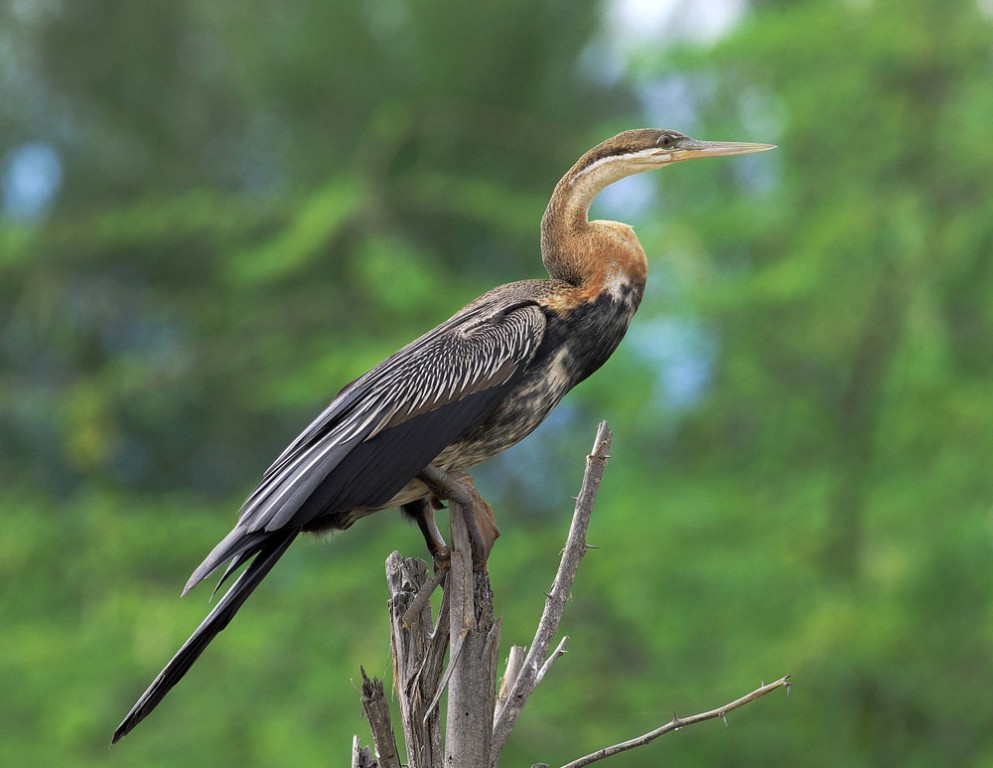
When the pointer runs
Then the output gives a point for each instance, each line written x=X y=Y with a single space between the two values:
x=680 y=722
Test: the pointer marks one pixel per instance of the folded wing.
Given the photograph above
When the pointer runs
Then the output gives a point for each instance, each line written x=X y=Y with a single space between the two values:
x=385 y=427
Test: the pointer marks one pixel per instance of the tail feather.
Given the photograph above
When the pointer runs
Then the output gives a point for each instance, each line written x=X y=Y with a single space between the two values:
x=239 y=545
x=268 y=552
x=234 y=565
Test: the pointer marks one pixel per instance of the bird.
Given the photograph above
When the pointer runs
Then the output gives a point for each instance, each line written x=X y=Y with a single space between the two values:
x=406 y=433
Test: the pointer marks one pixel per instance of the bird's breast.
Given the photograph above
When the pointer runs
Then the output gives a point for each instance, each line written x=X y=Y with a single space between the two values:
x=576 y=343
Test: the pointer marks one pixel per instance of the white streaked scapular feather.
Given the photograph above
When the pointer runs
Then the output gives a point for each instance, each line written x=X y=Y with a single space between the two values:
x=384 y=421
x=466 y=354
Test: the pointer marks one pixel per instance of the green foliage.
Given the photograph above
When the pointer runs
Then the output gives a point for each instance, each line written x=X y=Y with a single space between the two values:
x=252 y=213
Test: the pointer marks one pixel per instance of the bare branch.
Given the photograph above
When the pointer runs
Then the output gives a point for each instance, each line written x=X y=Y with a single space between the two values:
x=514 y=661
x=556 y=600
x=377 y=711
x=418 y=657
x=361 y=756
x=679 y=722
x=559 y=651
x=421 y=599
x=454 y=654
x=471 y=687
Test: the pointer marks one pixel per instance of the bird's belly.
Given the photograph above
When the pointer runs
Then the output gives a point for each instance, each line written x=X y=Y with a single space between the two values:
x=415 y=489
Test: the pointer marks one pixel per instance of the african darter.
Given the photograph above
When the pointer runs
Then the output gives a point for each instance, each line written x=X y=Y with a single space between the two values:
x=405 y=433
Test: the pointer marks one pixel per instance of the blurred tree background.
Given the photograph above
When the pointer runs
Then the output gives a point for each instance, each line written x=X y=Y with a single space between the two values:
x=213 y=215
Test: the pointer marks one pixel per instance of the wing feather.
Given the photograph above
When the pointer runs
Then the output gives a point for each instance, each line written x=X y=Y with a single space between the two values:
x=390 y=423
x=482 y=311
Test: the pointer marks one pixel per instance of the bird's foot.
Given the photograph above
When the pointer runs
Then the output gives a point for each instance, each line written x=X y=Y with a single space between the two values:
x=480 y=521
x=459 y=488
x=442 y=560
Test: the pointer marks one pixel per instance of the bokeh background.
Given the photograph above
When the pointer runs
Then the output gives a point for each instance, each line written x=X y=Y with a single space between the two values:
x=214 y=214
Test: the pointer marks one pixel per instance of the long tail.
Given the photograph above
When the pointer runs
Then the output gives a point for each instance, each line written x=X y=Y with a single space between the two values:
x=268 y=552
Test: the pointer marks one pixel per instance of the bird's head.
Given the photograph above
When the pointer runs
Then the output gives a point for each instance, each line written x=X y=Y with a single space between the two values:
x=626 y=154
x=645 y=149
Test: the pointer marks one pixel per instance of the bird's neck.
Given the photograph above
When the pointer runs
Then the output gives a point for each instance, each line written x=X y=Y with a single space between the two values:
x=583 y=252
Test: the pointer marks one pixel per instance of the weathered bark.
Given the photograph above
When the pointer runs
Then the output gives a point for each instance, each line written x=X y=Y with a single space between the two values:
x=418 y=657
x=475 y=642
x=377 y=712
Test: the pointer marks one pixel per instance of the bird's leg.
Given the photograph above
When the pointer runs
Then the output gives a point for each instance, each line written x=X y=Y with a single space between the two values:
x=482 y=524
x=422 y=512
x=479 y=518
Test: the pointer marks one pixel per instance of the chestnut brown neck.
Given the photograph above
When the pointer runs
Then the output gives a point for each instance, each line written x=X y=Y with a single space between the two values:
x=582 y=252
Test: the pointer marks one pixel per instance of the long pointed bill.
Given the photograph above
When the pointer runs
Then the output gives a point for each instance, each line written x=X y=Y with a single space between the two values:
x=690 y=148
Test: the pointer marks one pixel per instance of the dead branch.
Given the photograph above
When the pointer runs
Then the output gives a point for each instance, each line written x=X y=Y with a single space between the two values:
x=418 y=657
x=377 y=712
x=557 y=597
x=361 y=756
x=559 y=651
x=680 y=722
x=478 y=721
x=471 y=688
x=421 y=598
x=514 y=661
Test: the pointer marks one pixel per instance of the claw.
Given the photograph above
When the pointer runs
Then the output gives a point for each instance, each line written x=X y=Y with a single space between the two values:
x=458 y=486
x=442 y=560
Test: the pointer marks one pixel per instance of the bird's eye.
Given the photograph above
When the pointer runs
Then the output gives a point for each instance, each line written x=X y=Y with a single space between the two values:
x=665 y=142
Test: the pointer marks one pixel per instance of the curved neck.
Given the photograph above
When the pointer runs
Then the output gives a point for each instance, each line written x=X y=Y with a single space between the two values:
x=577 y=250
